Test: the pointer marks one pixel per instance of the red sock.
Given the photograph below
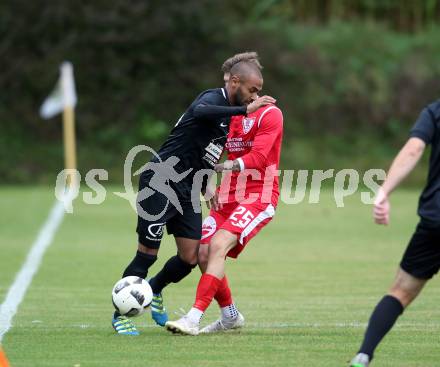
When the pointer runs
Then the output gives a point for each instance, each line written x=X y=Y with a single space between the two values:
x=223 y=295
x=207 y=288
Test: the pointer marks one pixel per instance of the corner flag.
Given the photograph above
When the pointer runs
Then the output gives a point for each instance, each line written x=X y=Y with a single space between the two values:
x=63 y=99
x=63 y=95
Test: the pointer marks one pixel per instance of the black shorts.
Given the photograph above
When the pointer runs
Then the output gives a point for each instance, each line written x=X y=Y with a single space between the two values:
x=422 y=256
x=156 y=211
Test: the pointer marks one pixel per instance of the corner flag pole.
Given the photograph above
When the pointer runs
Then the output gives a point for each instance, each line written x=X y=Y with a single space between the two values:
x=69 y=98
x=69 y=140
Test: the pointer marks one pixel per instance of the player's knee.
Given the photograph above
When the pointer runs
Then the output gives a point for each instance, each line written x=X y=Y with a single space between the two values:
x=217 y=248
x=147 y=250
x=190 y=257
x=406 y=287
x=189 y=254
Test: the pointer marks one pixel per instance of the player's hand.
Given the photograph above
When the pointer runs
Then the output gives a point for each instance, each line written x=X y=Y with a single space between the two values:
x=214 y=203
x=260 y=102
x=381 y=211
x=226 y=165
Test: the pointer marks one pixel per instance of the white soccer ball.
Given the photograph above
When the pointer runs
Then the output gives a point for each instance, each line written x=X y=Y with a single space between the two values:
x=131 y=296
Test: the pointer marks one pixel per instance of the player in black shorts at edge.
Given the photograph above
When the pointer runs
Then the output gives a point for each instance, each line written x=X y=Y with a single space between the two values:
x=195 y=143
x=421 y=259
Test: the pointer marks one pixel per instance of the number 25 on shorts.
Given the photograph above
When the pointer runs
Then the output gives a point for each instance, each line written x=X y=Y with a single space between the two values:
x=241 y=217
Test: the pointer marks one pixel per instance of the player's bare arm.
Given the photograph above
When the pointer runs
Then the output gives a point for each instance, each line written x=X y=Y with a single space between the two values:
x=404 y=163
x=401 y=167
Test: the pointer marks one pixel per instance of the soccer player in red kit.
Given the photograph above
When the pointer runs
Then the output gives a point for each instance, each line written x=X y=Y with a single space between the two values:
x=247 y=199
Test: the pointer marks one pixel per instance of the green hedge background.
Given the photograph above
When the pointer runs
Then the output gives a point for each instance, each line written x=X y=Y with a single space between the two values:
x=350 y=76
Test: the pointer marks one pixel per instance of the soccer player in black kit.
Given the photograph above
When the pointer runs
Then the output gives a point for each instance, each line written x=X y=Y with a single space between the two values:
x=421 y=260
x=195 y=143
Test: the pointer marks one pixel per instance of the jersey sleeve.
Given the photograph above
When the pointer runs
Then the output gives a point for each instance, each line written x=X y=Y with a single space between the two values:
x=271 y=127
x=424 y=128
x=214 y=106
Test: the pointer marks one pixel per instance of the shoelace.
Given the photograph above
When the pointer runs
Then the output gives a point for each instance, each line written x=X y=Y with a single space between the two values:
x=158 y=305
x=124 y=324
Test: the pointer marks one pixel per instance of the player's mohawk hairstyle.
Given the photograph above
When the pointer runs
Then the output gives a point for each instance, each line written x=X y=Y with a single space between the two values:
x=245 y=56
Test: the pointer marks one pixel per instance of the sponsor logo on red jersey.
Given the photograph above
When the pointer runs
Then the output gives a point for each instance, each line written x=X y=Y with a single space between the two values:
x=237 y=144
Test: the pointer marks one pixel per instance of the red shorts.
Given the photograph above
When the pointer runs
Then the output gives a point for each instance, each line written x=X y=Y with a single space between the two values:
x=244 y=220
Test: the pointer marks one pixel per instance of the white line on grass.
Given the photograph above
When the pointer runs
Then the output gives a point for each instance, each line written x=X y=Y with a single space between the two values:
x=275 y=325
x=18 y=289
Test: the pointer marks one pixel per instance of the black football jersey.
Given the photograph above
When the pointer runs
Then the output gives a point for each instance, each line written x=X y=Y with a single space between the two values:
x=199 y=136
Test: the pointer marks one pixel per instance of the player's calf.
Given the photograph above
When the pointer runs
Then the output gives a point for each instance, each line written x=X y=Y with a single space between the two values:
x=174 y=270
x=222 y=242
x=406 y=287
x=203 y=257
x=140 y=264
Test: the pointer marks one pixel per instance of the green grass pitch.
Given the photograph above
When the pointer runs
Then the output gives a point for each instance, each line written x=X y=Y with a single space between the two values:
x=306 y=286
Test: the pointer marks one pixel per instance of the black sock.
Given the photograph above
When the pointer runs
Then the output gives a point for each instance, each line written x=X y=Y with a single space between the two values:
x=174 y=270
x=139 y=265
x=381 y=321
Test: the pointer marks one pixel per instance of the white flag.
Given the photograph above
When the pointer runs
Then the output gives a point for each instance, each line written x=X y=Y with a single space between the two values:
x=64 y=94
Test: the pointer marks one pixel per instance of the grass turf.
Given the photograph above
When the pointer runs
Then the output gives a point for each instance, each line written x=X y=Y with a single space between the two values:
x=306 y=285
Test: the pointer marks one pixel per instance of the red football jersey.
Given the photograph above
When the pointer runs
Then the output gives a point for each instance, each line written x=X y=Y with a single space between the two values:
x=255 y=141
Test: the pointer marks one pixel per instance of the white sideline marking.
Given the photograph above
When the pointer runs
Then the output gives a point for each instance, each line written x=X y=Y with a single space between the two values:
x=293 y=325
x=355 y=325
x=422 y=326
x=23 y=279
